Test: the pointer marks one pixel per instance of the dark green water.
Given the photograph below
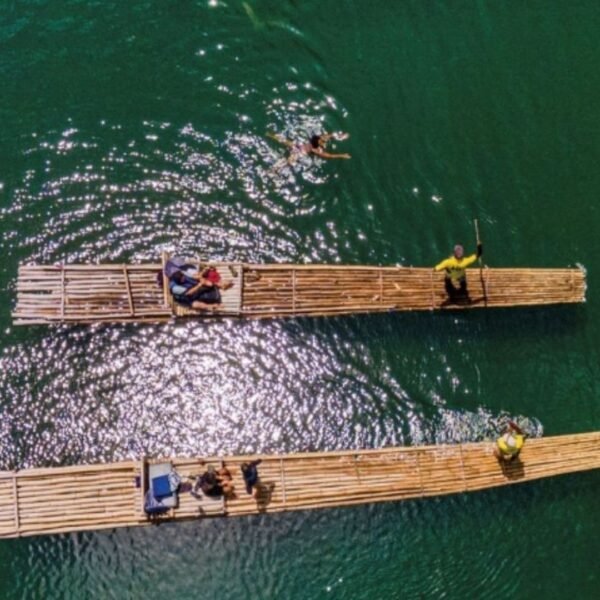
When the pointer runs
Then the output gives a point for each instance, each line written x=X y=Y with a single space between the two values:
x=132 y=127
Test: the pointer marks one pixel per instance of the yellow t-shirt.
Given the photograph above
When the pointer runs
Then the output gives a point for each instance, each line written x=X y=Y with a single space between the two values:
x=510 y=443
x=454 y=267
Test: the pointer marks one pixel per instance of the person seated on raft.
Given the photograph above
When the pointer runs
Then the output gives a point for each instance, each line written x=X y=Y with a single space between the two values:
x=211 y=274
x=200 y=291
x=315 y=145
x=215 y=483
x=455 y=281
x=225 y=481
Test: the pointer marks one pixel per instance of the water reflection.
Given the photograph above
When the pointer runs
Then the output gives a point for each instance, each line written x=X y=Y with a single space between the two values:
x=108 y=393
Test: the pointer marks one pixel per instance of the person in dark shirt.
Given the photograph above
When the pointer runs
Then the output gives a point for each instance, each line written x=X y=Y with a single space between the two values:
x=250 y=474
x=200 y=290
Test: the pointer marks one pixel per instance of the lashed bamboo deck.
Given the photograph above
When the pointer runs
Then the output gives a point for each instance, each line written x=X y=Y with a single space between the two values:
x=57 y=500
x=130 y=293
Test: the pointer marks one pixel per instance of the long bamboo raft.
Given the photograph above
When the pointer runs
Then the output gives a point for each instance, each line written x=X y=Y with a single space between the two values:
x=130 y=293
x=80 y=498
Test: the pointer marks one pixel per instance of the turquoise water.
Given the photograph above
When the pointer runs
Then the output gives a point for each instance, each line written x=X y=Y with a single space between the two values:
x=129 y=128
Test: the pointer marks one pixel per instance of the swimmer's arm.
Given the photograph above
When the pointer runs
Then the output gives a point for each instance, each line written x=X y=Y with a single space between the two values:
x=281 y=140
x=324 y=154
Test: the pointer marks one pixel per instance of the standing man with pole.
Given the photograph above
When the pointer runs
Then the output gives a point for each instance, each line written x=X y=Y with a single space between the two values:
x=455 y=281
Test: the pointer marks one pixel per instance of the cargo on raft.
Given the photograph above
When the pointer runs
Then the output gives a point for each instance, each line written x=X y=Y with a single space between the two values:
x=112 y=293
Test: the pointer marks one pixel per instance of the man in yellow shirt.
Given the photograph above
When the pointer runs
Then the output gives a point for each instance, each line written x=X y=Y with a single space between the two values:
x=510 y=443
x=456 y=277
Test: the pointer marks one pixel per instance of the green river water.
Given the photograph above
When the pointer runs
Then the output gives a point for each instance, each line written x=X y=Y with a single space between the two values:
x=128 y=128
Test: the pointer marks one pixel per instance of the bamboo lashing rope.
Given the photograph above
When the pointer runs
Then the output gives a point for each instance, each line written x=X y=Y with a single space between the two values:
x=356 y=469
x=165 y=283
x=63 y=292
x=16 y=503
x=462 y=468
x=420 y=474
x=128 y=290
x=223 y=499
x=283 y=492
x=294 y=290
x=142 y=484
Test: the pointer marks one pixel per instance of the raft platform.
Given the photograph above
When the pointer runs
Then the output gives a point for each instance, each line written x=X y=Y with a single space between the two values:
x=133 y=293
x=94 y=497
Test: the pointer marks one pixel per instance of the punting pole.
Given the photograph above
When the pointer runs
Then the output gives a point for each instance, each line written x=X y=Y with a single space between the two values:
x=480 y=263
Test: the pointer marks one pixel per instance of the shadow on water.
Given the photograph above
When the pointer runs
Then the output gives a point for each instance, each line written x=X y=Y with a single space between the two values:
x=513 y=325
x=495 y=325
x=112 y=392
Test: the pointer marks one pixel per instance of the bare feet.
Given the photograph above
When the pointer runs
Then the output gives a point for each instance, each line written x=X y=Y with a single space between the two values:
x=197 y=305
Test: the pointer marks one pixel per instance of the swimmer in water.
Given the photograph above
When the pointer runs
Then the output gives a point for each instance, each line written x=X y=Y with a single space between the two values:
x=316 y=145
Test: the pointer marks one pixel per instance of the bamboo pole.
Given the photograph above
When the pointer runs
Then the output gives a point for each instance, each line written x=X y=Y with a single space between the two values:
x=478 y=239
x=16 y=505
x=283 y=490
x=63 y=294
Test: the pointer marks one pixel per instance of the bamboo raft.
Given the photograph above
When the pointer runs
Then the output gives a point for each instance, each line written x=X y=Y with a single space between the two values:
x=80 y=498
x=130 y=293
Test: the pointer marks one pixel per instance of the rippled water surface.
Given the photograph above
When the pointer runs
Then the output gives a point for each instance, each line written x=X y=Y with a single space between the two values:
x=132 y=128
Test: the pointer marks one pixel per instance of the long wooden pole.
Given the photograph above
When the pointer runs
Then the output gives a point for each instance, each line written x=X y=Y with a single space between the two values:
x=483 y=285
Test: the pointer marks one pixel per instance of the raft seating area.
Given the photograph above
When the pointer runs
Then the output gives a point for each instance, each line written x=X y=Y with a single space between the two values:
x=130 y=293
x=231 y=299
x=79 y=498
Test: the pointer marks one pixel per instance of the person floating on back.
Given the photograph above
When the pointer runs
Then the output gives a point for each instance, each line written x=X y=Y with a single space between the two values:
x=315 y=145
x=455 y=281
x=509 y=444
